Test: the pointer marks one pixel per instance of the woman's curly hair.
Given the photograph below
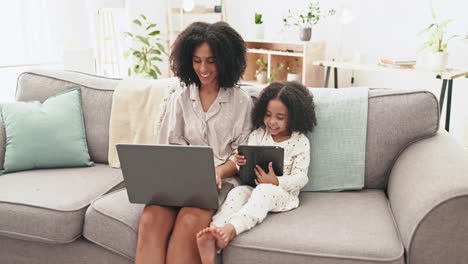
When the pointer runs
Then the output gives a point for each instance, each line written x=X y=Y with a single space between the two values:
x=298 y=100
x=226 y=44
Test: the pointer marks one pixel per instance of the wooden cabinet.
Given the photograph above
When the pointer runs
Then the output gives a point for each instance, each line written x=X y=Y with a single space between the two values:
x=284 y=57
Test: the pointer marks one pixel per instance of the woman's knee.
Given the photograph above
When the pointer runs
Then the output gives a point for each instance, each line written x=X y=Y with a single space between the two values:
x=157 y=218
x=194 y=219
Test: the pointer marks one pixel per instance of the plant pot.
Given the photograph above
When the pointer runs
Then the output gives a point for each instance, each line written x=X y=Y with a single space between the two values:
x=262 y=77
x=305 y=34
x=293 y=77
x=437 y=61
x=259 y=31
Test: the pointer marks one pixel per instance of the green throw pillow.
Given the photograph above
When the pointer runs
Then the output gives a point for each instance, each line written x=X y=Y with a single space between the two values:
x=47 y=135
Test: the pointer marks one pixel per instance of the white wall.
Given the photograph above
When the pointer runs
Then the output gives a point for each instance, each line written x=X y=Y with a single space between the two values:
x=382 y=28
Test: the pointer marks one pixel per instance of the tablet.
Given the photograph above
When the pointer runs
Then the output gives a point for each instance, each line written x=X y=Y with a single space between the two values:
x=260 y=155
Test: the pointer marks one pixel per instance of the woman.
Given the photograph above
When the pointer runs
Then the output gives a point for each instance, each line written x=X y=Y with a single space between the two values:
x=210 y=110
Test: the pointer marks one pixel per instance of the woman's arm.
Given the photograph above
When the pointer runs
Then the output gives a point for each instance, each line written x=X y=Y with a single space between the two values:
x=228 y=169
x=172 y=125
x=244 y=124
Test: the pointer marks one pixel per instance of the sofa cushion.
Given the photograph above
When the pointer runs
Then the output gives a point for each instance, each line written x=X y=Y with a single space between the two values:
x=344 y=227
x=47 y=135
x=112 y=222
x=49 y=205
x=96 y=97
x=338 y=142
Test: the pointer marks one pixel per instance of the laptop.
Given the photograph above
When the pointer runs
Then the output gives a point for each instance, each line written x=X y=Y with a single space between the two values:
x=171 y=175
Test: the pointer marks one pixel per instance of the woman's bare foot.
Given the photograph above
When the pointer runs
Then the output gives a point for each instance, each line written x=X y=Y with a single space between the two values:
x=223 y=234
x=206 y=246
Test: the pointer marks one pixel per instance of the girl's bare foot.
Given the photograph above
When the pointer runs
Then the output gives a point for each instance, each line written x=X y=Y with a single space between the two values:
x=206 y=246
x=223 y=234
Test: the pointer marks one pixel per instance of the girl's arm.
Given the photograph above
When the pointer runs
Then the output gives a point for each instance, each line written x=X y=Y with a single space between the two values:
x=300 y=167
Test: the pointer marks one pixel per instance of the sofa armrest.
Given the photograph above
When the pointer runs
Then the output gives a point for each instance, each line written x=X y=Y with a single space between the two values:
x=428 y=193
x=2 y=142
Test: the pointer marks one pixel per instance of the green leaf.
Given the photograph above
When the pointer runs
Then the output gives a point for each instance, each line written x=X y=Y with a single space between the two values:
x=144 y=40
x=136 y=69
x=155 y=58
x=161 y=47
x=426 y=29
x=128 y=34
x=154 y=33
x=444 y=23
x=150 y=26
x=153 y=74
x=137 y=54
x=433 y=11
x=258 y=19
x=136 y=21
x=129 y=72
x=155 y=51
x=157 y=69
x=143 y=16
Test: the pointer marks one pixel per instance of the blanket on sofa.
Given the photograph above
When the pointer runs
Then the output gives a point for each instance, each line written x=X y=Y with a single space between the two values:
x=135 y=114
x=338 y=142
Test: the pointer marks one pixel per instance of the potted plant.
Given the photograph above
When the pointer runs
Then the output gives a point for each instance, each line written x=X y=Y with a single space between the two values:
x=305 y=21
x=437 y=42
x=261 y=72
x=259 y=28
x=148 y=51
x=291 y=69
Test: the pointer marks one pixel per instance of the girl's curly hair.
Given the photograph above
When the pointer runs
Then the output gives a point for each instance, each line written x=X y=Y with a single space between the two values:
x=227 y=46
x=296 y=97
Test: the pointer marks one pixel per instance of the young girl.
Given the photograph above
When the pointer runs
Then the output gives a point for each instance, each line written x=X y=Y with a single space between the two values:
x=284 y=112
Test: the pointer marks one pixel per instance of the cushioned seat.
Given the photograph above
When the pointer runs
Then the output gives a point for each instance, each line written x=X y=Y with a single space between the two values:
x=112 y=222
x=50 y=205
x=342 y=227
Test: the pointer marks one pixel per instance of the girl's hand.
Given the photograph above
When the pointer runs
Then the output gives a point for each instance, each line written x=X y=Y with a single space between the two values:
x=263 y=177
x=240 y=159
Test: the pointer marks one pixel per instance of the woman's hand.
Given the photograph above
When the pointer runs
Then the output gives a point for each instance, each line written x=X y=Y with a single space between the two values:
x=263 y=177
x=219 y=181
x=240 y=159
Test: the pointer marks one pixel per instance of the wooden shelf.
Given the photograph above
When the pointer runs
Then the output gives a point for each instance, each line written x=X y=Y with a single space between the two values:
x=252 y=82
x=299 y=56
x=273 y=52
x=196 y=10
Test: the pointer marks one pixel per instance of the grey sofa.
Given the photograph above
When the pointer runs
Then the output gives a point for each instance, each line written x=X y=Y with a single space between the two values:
x=414 y=208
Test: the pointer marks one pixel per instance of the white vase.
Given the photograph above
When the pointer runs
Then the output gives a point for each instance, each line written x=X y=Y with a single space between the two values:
x=262 y=77
x=305 y=34
x=259 y=31
x=293 y=77
x=436 y=61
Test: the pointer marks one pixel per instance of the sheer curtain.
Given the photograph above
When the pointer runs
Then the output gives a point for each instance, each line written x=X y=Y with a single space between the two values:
x=109 y=42
x=25 y=33
x=25 y=40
